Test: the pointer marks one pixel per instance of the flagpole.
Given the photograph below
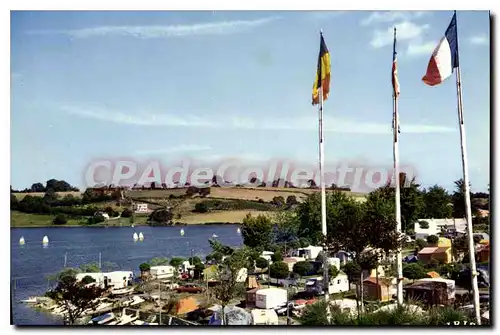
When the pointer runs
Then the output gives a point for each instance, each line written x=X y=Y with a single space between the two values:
x=326 y=283
x=399 y=261
x=468 y=211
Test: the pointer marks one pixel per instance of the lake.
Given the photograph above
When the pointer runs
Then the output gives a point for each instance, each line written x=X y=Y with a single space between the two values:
x=32 y=263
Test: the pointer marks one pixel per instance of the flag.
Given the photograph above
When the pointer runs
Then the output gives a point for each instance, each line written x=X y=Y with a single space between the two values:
x=322 y=80
x=445 y=57
x=395 y=81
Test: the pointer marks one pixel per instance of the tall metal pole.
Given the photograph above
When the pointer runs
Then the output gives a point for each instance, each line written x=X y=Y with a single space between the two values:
x=468 y=211
x=326 y=285
x=399 y=258
x=159 y=287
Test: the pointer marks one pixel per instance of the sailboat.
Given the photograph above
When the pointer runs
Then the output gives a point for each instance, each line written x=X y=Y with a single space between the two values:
x=141 y=237
x=238 y=231
x=182 y=232
x=135 y=237
x=214 y=236
x=21 y=240
x=45 y=240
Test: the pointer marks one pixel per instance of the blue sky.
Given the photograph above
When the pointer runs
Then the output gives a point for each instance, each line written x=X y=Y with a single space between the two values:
x=88 y=85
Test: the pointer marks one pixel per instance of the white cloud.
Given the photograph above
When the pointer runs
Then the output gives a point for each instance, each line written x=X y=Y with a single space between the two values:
x=421 y=48
x=309 y=123
x=406 y=31
x=213 y=28
x=172 y=149
x=392 y=16
x=479 y=40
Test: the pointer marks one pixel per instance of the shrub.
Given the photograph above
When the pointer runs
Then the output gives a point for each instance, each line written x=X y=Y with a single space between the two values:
x=414 y=271
x=201 y=207
x=291 y=200
x=333 y=272
x=60 y=220
x=176 y=261
x=278 y=201
x=276 y=257
x=261 y=263
x=303 y=268
x=424 y=224
x=279 y=270
x=87 y=280
x=421 y=243
x=144 y=267
x=127 y=213
x=432 y=239
x=433 y=264
x=194 y=260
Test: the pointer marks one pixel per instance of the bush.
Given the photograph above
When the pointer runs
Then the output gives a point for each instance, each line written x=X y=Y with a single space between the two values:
x=60 y=220
x=176 y=261
x=303 y=268
x=432 y=239
x=291 y=200
x=421 y=243
x=278 y=201
x=432 y=265
x=87 y=280
x=414 y=271
x=424 y=224
x=194 y=260
x=144 y=267
x=276 y=257
x=127 y=213
x=333 y=272
x=279 y=270
x=201 y=207
x=261 y=263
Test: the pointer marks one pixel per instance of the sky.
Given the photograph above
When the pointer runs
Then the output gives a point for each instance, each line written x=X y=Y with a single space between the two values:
x=214 y=84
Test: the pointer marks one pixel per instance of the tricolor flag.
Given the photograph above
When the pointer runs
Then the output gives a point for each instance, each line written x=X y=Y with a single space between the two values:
x=322 y=80
x=445 y=57
x=395 y=81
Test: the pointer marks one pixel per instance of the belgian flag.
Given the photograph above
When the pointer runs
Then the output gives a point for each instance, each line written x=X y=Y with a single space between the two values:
x=322 y=80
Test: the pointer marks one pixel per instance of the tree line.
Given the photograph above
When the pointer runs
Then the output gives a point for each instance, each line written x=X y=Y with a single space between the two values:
x=51 y=184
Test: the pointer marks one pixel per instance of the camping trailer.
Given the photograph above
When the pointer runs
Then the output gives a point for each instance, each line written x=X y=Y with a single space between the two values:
x=162 y=271
x=269 y=298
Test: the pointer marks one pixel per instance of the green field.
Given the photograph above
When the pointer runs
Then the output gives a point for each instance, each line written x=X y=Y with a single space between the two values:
x=18 y=219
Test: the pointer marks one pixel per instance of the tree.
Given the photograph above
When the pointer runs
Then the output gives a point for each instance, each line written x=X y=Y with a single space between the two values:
x=279 y=270
x=286 y=229
x=87 y=280
x=194 y=260
x=432 y=239
x=50 y=196
x=257 y=231
x=437 y=203
x=127 y=212
x=90 y=267
x=14 y=203
x=333 y=272
x=352 y=270
x=414 y=271
x=458 y=200
x=291 y=200
x=277 y=257
x=37 y=187
x=162 y=216
x=278 y=201
x=176 y=261
x=60 y=220
x=75 y=297
x=261 y=263
x=421 y=243
x=303 y=268
x=144 y=267
x=423 y=224
x=201 y=207
x=228 y=287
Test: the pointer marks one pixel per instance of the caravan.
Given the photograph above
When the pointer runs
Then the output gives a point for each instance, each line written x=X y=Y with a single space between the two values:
x=162 y=271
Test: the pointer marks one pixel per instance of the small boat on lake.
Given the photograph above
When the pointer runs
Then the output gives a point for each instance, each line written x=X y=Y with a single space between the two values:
x=45 y=240
x=239 y=231
x=141 y=237
x=214 y=236
x=135 y=237
x=21 y=240
x=182 y=232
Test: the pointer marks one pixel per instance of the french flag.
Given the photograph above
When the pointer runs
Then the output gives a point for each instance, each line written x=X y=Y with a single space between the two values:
x=445 y=57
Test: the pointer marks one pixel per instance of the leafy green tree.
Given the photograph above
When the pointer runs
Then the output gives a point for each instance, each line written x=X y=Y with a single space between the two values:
x=286 y=229
x=458 y=200
x=279 y=270
x=278 y=201
x=423 y=224
x=14 y=203
x=352 y=270
x=90 y=267
x=195 y=260
x=303 y=268
x=333 y=272
x=257 y=231
x=201 y=207
x=421 y=243
x=75 y=297
x=291 y=200
x=277 y=257
x=87 y=280
x=432 y=239
x=437 y=203
x=127 y=212
x=161 y=216
x=60 y=220
x=37 y=187
x=176 y=261
x=414 y=271
x=144 y=267
x=262 y=263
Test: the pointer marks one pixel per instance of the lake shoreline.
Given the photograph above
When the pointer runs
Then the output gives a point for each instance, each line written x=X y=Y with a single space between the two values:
x=135 y=226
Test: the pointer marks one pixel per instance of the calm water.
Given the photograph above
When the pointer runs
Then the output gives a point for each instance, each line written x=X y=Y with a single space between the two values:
x=32 y=263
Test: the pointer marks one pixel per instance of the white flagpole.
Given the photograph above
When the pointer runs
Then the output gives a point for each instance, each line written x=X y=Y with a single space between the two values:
x=468 y=211
x=399 y=260
x=326 y=283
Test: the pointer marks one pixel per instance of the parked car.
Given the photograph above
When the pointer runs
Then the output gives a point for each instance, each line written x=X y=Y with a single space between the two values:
x=190 y=288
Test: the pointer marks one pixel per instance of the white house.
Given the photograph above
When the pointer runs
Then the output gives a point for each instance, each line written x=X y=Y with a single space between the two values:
x=437 y=225
x=115 y=279
x=310 y=252
x=162 y=271
x=141 y=208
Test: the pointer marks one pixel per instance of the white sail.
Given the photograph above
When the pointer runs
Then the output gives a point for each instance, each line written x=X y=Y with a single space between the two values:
x=135 y=237
x=45 y=239
x=21 y=240
x=238 y=231
x=141 y=237
x=214 y=236
x=182 y=232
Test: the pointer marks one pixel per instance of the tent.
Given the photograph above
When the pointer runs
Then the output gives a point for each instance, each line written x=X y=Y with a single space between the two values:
x=186 y=305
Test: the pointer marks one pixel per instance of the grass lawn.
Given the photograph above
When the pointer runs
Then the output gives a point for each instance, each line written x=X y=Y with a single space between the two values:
x=215 y=217
x=19 y=219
